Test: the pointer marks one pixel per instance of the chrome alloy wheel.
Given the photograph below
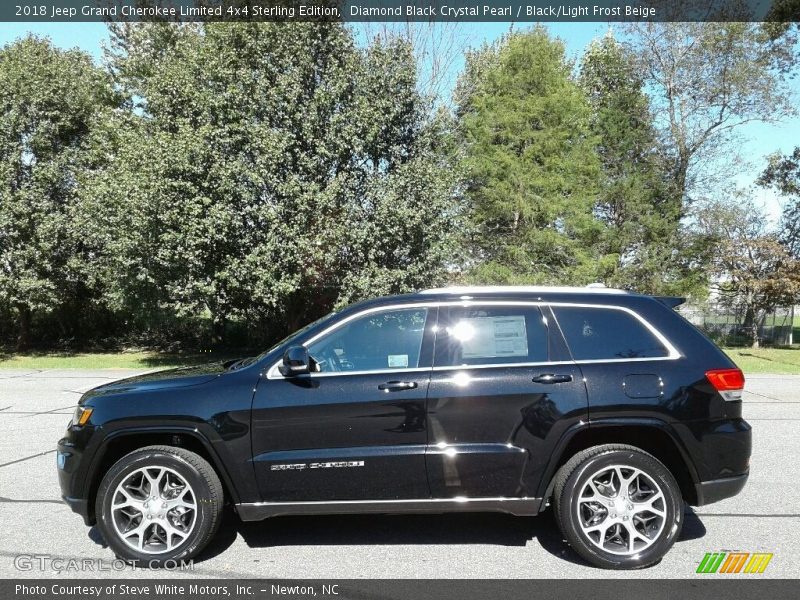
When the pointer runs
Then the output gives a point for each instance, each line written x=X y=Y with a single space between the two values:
x=154 y=510
x=621 y=509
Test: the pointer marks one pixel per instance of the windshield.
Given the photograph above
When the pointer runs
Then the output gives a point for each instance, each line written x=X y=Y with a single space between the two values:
x=297 y=334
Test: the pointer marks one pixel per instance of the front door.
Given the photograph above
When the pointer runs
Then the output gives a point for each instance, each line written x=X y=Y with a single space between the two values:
x=503 y=389
x=354 y=428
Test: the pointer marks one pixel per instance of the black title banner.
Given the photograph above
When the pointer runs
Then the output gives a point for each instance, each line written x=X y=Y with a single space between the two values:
x=399 y=10
x=387 y=589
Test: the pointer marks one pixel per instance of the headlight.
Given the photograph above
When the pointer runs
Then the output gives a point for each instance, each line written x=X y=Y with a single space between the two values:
x=81 y=416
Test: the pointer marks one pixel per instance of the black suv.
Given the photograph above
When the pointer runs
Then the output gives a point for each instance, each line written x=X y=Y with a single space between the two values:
x=606 y=404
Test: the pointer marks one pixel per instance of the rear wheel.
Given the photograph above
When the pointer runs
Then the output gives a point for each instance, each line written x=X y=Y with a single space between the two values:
x=618 y=507
x=159 y=504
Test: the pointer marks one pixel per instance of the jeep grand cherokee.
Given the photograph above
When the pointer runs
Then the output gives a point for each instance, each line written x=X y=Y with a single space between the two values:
x=605 y=404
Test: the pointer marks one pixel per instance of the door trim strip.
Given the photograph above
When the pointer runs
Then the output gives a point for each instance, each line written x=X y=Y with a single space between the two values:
x=256 y=511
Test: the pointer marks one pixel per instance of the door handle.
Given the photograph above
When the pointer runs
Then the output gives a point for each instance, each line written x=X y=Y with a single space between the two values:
x=550 y=378
x=397 y=386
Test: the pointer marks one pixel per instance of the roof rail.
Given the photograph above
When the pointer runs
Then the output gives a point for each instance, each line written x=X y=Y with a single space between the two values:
x=525 y=289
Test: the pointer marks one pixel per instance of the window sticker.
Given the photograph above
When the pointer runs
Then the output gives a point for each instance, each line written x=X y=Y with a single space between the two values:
x=398 y=361
x=492 y=337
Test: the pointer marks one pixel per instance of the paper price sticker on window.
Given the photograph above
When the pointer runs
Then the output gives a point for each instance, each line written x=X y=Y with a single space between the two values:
x=398 y=361
x=495 y=337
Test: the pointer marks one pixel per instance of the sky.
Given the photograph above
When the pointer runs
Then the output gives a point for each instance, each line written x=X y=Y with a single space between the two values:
x=759 y=139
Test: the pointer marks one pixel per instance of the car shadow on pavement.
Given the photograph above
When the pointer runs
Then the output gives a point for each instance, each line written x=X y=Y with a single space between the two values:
x=461 y=528
x=693 y=528
x=97 y=537
x=348 y=530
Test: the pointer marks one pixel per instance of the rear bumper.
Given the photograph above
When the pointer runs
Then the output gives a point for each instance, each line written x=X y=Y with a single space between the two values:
x=719 y=489
x=718 y=455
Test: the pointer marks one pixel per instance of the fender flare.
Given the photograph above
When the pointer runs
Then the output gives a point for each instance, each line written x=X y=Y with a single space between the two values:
x=217 y=463
x=547 y=483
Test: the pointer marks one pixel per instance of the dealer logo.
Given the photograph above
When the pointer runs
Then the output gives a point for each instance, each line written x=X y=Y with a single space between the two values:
x=734 y=562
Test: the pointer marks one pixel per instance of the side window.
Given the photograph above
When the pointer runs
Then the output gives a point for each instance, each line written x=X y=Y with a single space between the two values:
x=373 y=342
x=606 y=333
x=490 y=335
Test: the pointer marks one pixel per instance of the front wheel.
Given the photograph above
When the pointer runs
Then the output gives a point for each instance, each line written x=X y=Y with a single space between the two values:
x=159 y=505
x=618 y=507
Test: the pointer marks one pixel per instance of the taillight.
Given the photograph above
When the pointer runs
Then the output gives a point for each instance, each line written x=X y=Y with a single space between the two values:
x=728 y=382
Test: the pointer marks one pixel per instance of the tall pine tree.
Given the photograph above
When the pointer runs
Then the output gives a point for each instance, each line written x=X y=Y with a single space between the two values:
x=638 y=207
x=532 y=169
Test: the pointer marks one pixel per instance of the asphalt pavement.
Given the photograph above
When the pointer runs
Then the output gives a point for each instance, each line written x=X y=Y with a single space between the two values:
x=39 y=535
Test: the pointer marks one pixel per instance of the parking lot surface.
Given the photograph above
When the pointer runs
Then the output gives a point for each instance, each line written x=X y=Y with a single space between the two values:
x=37 y=526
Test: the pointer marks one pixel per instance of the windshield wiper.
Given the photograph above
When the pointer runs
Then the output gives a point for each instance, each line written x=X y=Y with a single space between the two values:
x=241 y=362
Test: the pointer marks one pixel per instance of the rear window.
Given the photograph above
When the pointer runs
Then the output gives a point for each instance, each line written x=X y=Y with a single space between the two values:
x=607 y=333
x=490 y=336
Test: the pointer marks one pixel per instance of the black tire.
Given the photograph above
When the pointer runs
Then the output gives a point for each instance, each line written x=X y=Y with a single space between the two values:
x=195 y=470
x=571 y=479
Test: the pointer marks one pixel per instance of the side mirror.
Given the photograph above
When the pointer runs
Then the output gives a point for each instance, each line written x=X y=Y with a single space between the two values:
x=295 y=361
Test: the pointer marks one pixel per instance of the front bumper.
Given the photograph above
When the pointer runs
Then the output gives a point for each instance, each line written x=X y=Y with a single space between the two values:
x=68 y=458
x=719 y=489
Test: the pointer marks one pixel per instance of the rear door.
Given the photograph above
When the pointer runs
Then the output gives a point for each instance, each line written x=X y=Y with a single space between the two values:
x=502 y=391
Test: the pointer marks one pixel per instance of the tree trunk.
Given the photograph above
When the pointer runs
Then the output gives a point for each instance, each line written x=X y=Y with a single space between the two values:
x=24 y=337
x=219 y=324
x=749 y=317
x=680 y=180
x=754 y=323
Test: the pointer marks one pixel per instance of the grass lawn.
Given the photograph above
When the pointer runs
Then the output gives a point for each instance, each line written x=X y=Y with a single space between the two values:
x=762 y=360
x=766 y=360
x=111 y=360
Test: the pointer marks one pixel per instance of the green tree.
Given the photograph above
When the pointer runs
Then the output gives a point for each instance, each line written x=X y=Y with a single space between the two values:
x=782 y=21
x=751 y=267
x=783 y=175
x=271 y=170
x=531 y=168
x=707 y=80
x=50 y=100
x=641 y=212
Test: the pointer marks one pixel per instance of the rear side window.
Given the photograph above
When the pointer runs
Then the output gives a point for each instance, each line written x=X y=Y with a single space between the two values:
x=490 y=335
x=607 y=333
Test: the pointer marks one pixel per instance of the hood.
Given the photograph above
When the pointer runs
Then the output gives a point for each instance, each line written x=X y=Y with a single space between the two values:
x=166 y=379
